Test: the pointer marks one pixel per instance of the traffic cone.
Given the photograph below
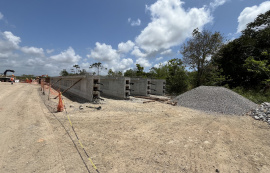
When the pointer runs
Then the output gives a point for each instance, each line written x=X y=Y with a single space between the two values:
x=60 y=107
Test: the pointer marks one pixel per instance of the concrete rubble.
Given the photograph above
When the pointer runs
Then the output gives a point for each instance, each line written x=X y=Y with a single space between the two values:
x=262 y=112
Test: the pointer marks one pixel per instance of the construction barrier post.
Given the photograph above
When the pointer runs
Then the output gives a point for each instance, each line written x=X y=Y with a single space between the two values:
x=49 y=90
x=60 y=107
x=43 y=88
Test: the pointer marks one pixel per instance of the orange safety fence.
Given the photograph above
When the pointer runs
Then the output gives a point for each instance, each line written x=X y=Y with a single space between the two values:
x=51 y=93
x=48 y=90
x=29 y=81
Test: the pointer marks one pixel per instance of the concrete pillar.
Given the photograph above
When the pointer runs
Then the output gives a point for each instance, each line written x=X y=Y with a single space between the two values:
x=140 y=86
x=115 y=87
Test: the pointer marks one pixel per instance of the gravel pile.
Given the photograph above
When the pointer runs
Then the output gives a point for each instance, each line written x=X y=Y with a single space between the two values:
x=262 y=112
x=215 y=99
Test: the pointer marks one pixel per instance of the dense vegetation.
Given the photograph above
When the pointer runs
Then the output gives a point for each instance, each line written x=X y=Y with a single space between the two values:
x=245 y=62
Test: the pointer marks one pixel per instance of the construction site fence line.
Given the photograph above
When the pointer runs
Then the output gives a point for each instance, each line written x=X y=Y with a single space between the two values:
x=46 y=89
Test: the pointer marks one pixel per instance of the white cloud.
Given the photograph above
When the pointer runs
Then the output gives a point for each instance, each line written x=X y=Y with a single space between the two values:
x=143 y=62
x=217 y=3
x=170 y=25
x=15 y=57
x=85 y=65
x=134 y=23
x=6 y=55
x=12 y=38
x=123 y=65
x=161 y=64
x=1 y=16
x=120 y=65
x=125 y=47
x=166 y=52
x=33 y=51
x=110 y=57
x=67 y=56
x=49 y=51
x=104 y=52
x=8 y=64
x=9 y=43
x=35 y=62
x=9 y=40
x=250 y=13
x=137 y=52
x=160 y=58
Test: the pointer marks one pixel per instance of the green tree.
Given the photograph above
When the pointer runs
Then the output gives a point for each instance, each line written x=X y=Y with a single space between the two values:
x=177 y=79
x=130 y=73
x=119 y=73
x=160 y=72
x=230 y=59
x=24 y=76
x=83 y=72
x=260 y=68
x=198 y=51
x=139 y=71
x=114 y=74
x=76 y=67
x=64 y=72
x=234 y=60
x=99 y=67
x=110 y=72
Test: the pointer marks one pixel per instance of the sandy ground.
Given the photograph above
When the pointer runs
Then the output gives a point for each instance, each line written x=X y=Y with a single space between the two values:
x=124 y=136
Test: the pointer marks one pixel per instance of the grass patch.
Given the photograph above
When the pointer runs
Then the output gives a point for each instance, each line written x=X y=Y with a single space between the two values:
x=256 y=96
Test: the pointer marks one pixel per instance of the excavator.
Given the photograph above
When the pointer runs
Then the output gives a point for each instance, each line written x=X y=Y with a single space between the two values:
x=4 y=78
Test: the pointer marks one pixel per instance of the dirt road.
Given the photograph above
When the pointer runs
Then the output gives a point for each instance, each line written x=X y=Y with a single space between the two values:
x=26 y=138
x=125 y=136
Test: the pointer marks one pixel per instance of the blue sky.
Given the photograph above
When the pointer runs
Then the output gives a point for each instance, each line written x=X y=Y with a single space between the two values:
x=46 y=36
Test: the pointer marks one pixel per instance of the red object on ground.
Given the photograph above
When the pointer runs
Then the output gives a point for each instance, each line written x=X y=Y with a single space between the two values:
x=60 y=107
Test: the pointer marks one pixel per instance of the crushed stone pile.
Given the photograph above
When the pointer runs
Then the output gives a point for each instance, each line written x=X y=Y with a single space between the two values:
x=215 y=99
x=262 y=112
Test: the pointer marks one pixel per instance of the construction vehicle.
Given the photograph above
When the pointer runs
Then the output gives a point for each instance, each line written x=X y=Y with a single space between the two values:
x=4 y=77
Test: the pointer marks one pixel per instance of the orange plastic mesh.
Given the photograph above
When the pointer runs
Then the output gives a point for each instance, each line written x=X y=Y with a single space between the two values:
x=60 y=107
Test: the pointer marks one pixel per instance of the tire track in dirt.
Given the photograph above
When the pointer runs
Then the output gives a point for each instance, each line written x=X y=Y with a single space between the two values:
x=6 y=103
x=52 y=137
x=27 y=145
x=69 y=153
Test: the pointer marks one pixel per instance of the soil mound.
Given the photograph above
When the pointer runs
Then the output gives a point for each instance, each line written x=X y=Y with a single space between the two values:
x=215 y=99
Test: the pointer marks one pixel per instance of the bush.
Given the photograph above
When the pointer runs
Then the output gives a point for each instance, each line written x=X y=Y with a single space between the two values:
x=177 y=78
x=255 y=95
